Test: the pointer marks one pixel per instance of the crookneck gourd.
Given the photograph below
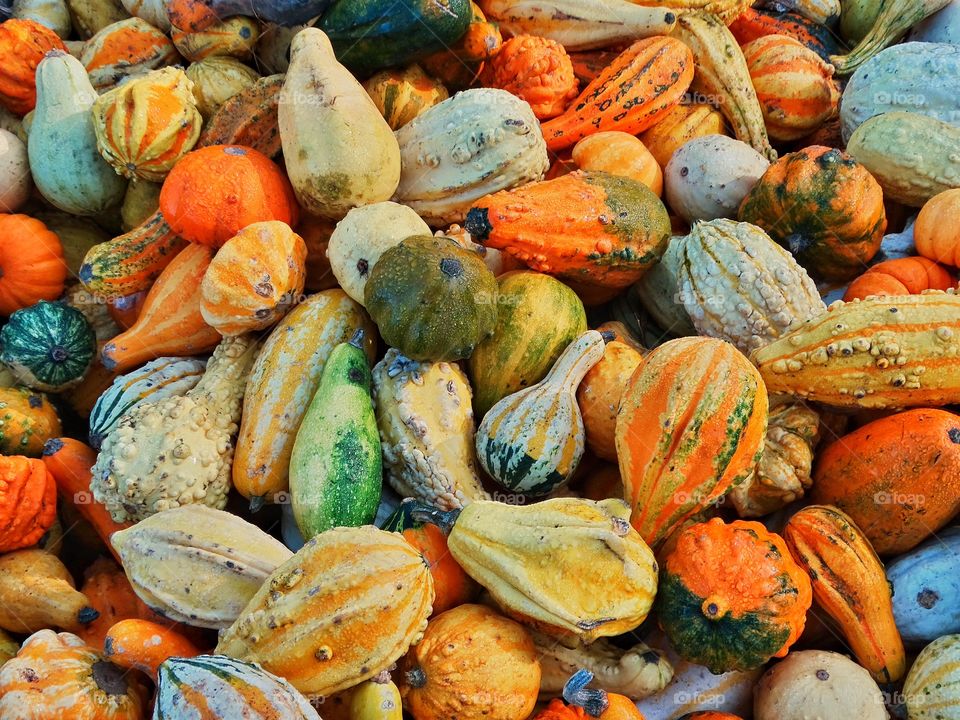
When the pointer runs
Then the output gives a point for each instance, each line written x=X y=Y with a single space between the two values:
x=177 y=450
x=37 y=591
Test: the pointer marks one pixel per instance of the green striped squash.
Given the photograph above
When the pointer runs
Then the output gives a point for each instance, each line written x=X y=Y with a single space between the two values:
x=532 y=441
x=215 y=687
x=537 y=317
x=932 y=687
x=158 y=379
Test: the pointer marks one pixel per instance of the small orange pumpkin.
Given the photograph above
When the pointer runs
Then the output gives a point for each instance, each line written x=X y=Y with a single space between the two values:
x=214 y=192
x=534 y=69
x=123 y=49
x=582 y=703
x=234 y=36
x=901 y=276
x=32 y=266
x=28 y=502
x=27 y=421
x=143 y=645
x=937 y=230
x=618 y=153
x=23 y=44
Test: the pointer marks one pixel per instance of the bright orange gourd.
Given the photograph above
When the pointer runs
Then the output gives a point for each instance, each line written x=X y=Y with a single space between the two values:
x=585 y=704
x=618 y=153
x=28 y=502
x=534 y=69
x=23 y=44
x=27 y=421
x=142 y=645
x=110 y=594
x=32 y=265
x=124 y=49
x=937 y=230
x=901 y=276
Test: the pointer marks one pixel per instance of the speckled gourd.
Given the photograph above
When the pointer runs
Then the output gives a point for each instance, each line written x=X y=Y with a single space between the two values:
x=739 y=285
x=532 y=440
x=197 y=565
x=471 y=145
x=882 y=352
x=425 y=418
x=659 y=291
x=177 y=450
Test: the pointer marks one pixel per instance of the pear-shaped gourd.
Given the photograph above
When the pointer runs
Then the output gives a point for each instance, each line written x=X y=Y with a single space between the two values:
x=66 y=165
x=339 y=151
x=532 y=441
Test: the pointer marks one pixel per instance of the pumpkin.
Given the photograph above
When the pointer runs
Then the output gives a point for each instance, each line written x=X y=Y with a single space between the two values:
x=823 y=206
x=534 y=69
x=599 y=393
x=935 y=232
x=125 y=49
x=900 y=276
x=682 y=124
x=215 y=192
x=28 y=502
x=23 y=44
x=584 y=703
x=27 y=421
x=37 y=591
x=895 y=477
x=32 y=264
x=147 y=124
x=48 y=346
x=216 y=79
x=431 y=299
x=717 y=613
x=930 y=689
x=618 y=153
x=143 y=645
x=253 y=279
x=691 y=425
x=249 y=118
x=234 y=36
x=58 y=675
x=110 y=594
x=402 y=94
x=471 y=664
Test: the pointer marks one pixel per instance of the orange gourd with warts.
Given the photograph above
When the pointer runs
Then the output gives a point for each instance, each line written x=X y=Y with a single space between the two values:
x=28 y=502
x=901 y=276
x=23 y=44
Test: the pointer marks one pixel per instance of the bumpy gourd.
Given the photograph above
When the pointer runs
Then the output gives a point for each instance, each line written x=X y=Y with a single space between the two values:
x=535 y=69
x=28 y=502
x=27 y=421
x=425 y=418
x=177 y=450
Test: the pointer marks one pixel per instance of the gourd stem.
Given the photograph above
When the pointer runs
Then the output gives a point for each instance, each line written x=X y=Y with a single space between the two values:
x=256 y=503
x=608 y=336
x=416 y=678
x=443 y=519
x=87 y=615
x=357 y=339
x=383 y=678
x=575 y=692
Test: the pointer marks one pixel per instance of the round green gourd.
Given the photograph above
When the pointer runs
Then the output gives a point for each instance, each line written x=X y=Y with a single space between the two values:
x=432 y=299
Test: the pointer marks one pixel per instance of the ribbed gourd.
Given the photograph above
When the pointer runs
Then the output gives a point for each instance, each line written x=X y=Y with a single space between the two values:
x=531 y=442
x=125 y=49
x=931 y=685
x=425 y=418
x=216 y=79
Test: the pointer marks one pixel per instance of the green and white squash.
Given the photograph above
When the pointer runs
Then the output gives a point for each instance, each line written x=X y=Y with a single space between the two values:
x=532 y=441
x=48 y=346
x=658 y=292
x=932 y=687
x=160 y=378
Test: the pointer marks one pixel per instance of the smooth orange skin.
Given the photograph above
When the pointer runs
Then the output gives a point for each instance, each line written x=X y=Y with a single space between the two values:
x=126 y=309
x=109 y=592
x=937 y=230
x=679 y=126
x=534 y=69
x=618 y=153
x=451 y=585
x=753 y=24
x=190 y=15
x=32 y=265
x=620 y=708
x=23 y=44
x=133 y=643
x=130 y=45
x=599 y=393
x=28 y=502
x=902 y=276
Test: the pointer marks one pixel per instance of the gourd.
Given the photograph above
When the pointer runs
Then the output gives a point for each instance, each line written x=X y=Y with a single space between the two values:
x=941 y=27
x=188 y=686
x=38 y=592
x=933 y=232
x=28 y=421
x=249 y=118
x=754 y=23
x=153 y=11
x=680 y=125
x=458 y=66
x=517 y=551
x=110 y=594
x=359 y=240
x=708 y=177
x=402 y=94
x=536 y=70
x=584 y=703
x=76 y=234
x=900 y=492
x=849 y=585
x=537 y=317
x=445 y=169
x=426 y=429
x=717 y=617
x=726 y=10
x=52 y=14
x=797 y=101
x=908 y=154
x=147 y=124
x=869 y=353
x=691 y=426
x=137 y=471
x=28 y=504
x=889 y=81
x=216 y=79
x=471 y=663
x=90 y=16
x=197 y=565
x=856 y=19
x=143 y=645
x=32 y=266
x=822 y=12
x=8 y=647
x=723 y=76
x=123 y=49
x=194 y=15
x=66 y=165
x=215 y=192
x=170 y=321
x=834 y=219
x=587 y=227
x=325 y=622
x=338 y=155
x=431 y=299
x=23 y=44
x=925 y=589
x=818 y=683
x=931 y=686
x=232 y=37
x=284 y=378
x=316 y=233
x=376 y=699
x=95 y=311
x=736 y=284
x=618 y=153
x=532 y=440
x=58 y=674
x=15 y=180
x=639 y=87
x=47 y=346
x=254 y=279
x=900 y=276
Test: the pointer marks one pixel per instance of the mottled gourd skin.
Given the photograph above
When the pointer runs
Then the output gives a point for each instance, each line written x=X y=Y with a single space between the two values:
x=178 y=450
x=930 y=687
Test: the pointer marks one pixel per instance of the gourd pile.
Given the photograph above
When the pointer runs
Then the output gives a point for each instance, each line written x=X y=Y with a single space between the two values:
x=489 y=360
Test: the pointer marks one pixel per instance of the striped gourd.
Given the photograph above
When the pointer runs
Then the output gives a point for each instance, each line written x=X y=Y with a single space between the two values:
x=882 y=352
x=726 y=10
x=124 y=49
x=691 y=426
x=326 y=621
x=160 y=378
x=216 y=687
x=531 y=441
x=932 y=687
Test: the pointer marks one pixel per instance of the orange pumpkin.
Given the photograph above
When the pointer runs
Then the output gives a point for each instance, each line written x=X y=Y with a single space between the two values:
x=679 y=126
x=124 y=49
x=28 y=502
x=901 y=276
x=214 y=192
x=142 y=645
x=110 y=594
x=23 y=44
x=32 y=265
x=534 y=69
x=618 y=153
x=937 y=230
x=583 y=704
